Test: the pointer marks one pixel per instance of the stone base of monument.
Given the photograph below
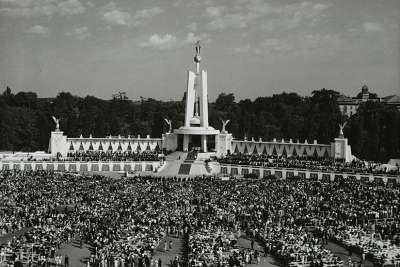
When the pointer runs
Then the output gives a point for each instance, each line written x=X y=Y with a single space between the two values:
x=176 y=164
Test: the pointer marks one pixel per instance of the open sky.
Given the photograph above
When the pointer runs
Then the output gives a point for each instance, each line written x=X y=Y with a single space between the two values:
x=249 y=47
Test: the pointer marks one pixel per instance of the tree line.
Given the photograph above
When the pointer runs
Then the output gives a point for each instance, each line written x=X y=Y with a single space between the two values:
x=374 y=132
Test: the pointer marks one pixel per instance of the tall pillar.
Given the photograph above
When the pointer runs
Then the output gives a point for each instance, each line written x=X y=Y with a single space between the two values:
x=190 y=97
x=185 y=142
x=204 y=100
x=204 y=143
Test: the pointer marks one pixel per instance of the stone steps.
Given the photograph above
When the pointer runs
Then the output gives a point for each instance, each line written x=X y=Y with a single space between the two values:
x=185 y=168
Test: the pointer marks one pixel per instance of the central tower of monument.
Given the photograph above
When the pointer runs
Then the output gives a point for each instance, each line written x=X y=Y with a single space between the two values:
x=196 y=113
x=195 y=134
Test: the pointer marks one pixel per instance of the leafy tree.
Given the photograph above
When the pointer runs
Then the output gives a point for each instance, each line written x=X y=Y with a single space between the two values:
x=25 y=119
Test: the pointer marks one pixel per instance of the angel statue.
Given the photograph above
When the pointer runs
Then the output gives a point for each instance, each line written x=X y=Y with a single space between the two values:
x=169 y=122
x=57 y=122
x=341 y=127
x=224 y=123
x=198 y=47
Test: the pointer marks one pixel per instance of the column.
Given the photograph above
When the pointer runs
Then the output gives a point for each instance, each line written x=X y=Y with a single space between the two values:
x=204 y=143
x=185 y=142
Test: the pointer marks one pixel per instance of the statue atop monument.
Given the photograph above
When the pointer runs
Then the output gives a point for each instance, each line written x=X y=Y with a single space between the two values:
x=57 y=122
x=197 y=57
x=341 y=127
x=224 y=123
x=169 y=122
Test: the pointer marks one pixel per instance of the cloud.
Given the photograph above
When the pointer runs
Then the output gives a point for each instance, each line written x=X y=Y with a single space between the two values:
x=37 y=8
x=113 y=15
x=275 y=45
x=38 y=30
x=160 y=42
x=235 y=21
x=315 y=41
x=80 y=33
x=71 y=7
x=169 y=41
x=300 y=43
x=90 y=4
x=192 y=26
x=242 y=49
x=269 y=16
x=191 y=38
x=304 y=9
x=215 y=11
x=19 y=3
x=372 y=27
x=148 y=13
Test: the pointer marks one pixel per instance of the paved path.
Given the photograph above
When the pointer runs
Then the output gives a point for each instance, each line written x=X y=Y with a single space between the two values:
x=169 y=255
x=344 y=254
x=267 y=261
x=78 y=256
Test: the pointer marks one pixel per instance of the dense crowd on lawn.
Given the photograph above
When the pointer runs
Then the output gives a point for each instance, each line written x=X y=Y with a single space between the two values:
x=309 y=163
x=125 y=219
x=112 y=156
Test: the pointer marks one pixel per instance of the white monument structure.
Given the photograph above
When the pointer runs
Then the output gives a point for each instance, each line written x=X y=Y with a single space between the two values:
x=196 y=135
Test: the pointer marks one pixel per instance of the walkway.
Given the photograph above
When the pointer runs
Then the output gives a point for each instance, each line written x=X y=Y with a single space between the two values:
x=344 y=254
x=169 y=255
x=78 y=256
x=267 y=261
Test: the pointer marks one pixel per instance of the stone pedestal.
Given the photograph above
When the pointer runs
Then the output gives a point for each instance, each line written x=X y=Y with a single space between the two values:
x=170 y=141
x=58 y=144
x=223 y=143
x=341 y=149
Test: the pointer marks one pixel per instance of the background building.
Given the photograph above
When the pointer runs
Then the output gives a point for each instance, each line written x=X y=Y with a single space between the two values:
x=349 y=105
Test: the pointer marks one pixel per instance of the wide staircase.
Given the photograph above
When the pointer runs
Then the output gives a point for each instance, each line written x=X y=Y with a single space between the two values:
x=185 y=168
x=185 y=164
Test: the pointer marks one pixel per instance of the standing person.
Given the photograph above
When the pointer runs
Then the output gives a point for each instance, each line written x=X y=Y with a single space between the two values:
x=147 y=261
x=66 y=261
x=362 y=256
x=159 y=262
x=257 y=256
x=166 y=245
x=170 y=244
x=252 y=243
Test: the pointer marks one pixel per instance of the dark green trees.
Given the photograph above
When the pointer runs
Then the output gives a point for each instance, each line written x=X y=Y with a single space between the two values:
x=374 y=132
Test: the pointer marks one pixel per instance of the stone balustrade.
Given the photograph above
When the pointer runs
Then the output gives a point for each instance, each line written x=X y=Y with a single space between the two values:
x=81 y=166
x=284 y=173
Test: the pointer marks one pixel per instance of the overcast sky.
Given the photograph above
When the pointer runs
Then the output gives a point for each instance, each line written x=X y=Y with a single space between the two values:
x=249 y=47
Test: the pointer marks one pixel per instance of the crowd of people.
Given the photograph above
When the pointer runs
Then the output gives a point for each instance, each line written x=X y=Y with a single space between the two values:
x=112 y=156
x=309 y=163
x=124 y=220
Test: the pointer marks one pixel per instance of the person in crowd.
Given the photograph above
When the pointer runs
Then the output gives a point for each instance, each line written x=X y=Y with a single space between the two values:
x=91 y=155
